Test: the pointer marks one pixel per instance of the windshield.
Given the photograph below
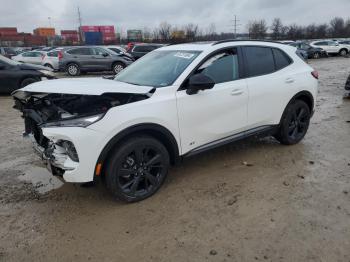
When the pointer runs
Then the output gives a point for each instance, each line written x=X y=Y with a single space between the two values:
x=8 y=61
x=158 y=68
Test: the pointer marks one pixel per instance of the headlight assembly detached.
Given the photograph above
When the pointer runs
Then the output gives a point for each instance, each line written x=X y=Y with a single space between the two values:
x=75 y=122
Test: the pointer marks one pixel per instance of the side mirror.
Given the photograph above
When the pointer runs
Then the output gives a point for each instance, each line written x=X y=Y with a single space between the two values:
x=105 y=55
x=199 y=82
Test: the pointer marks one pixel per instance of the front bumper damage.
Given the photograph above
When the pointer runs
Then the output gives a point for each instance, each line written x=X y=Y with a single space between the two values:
x=55 y=157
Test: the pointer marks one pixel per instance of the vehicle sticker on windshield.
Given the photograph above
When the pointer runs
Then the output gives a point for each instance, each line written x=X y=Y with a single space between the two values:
x=184 y=55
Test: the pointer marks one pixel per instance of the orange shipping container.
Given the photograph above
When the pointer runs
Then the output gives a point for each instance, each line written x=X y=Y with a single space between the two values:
x=44 y=31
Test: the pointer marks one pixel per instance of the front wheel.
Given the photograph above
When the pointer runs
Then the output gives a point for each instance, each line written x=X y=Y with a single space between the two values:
x=343 y=52
x=73 y=69
x=294 y=124
x=118 y=67
x=316 y=55
x=137 y=168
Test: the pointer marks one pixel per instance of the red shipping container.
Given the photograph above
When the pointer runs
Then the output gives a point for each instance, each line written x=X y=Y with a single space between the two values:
x=106 y=27
x=89 y=28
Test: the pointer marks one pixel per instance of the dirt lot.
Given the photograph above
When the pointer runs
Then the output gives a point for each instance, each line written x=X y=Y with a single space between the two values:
x=292 y=204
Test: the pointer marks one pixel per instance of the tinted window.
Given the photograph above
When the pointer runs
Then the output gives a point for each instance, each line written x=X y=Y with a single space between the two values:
x=100 y=51
x=53 y=54
x=222 y=67
x=259 y=60
x=281 y=59
x=321 y=43
x=140 y=48
x=80 y=51
x=116 y=50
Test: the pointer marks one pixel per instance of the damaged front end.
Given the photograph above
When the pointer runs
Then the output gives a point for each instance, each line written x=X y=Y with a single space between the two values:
x=47 y=111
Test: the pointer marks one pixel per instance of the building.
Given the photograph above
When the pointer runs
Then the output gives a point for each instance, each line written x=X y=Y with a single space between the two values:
x=45 y=31
x=134 y=35
x=8 y=31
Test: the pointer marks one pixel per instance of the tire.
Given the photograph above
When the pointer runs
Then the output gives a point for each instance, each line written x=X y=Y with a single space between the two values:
x=73 y=69
x=316 y=55
x=118 y=67
x=343 y=52
x=294 y=124
x=137 y=168
x=28 y=81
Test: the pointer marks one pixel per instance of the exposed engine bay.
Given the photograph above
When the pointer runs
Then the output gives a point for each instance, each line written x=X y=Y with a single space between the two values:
x=44 y=108
x=59 y=110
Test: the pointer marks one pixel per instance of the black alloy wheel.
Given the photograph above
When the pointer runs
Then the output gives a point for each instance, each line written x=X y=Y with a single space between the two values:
x=137 y=169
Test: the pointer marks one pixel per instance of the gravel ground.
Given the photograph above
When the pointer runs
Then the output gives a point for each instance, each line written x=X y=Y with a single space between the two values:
x=287 y=204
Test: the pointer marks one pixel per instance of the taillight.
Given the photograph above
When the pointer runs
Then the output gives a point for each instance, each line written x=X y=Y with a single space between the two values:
x=315 y=74
x=60 y=55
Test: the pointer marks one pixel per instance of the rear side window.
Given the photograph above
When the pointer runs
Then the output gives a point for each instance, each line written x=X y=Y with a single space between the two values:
x=281 y=59
x=259 y=60
x=53 y=54
x=321 y=43
x=80 y=51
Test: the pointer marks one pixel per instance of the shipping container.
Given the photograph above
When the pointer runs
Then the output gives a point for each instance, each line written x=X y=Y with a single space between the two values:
x=44 y=31
x=93 y=38
x=89 y=29
x=8 y=31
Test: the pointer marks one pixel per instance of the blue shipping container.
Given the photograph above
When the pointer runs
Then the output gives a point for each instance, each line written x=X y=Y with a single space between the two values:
x=93 y=38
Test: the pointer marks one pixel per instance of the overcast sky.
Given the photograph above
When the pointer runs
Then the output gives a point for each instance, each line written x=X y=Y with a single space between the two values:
x=137 y=14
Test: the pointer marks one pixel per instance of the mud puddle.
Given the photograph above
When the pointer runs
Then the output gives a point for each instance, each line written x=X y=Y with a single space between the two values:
x=41 y=179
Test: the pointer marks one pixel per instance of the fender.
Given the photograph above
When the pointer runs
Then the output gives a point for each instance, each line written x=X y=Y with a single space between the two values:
x=157 y=131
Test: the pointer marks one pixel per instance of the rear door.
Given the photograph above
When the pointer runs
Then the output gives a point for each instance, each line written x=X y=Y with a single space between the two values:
x=83 y=56
x=269 y=82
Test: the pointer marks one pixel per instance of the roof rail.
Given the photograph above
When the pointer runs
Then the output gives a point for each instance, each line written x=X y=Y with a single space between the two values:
x=246 y=40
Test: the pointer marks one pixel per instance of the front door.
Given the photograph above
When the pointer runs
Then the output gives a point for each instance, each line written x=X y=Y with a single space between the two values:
x=212 y=115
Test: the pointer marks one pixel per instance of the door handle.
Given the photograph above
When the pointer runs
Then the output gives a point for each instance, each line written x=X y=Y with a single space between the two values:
x=236 y=92
x=290 y=80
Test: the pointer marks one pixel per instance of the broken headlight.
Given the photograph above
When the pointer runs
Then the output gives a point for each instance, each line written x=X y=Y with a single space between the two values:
x=75 y=122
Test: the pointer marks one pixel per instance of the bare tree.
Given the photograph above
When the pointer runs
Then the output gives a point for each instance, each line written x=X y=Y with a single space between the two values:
x=277 y=28
x=257 y=29
x=337 y=28
x=191 y=31
x=164 y=31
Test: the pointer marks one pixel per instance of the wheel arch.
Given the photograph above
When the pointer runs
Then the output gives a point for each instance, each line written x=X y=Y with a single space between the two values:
x=305 y=96
x=154 y=130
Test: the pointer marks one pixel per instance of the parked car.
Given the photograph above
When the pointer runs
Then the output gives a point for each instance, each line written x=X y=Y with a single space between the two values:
x=120 y=51
x=15 y=75
x=310 y=51
x=331 y=47
x=31 y=57
x=50 y=60
x=8 y=52
x=175 y=102
x=345 y=43
x=75 y=60
x=139 y=50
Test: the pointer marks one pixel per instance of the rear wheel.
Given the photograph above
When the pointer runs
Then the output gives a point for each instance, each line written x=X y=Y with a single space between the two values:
x=28 y=81
x=343 y=52
x=137 y=168
x=294 y=124
x=73 y=69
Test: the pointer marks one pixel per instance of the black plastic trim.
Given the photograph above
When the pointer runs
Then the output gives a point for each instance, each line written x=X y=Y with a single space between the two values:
x=263 y=130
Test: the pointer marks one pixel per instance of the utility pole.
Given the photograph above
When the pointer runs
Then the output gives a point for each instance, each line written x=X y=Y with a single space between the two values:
x=49 y=21
x=236 y=25
x=80 y=25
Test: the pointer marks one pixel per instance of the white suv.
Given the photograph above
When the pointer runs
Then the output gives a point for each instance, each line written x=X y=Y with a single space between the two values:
x=176 y=101
x=331 y=47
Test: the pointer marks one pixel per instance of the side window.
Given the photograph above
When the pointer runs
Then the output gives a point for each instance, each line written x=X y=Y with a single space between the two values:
x=80 y=51
x=222 y=67
x=53 y=54
x=99 y=51
x=142 y=49
x=26 y=55
x=281 y=59
x=260 y=60
x=37 y=54
x=116 y=50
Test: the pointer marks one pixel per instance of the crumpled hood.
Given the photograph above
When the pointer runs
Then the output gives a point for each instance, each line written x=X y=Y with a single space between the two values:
x=83 y=86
